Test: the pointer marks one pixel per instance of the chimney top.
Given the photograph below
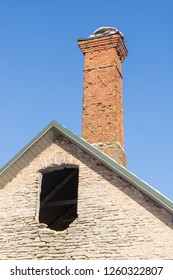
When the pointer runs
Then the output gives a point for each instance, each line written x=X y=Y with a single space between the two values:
x=105 y=31
x=104 y=38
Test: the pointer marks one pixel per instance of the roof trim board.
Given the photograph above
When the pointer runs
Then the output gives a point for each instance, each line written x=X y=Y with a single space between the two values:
x=49 y=135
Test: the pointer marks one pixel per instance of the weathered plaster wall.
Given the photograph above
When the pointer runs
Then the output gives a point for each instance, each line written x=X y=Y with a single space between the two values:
x=115 y=221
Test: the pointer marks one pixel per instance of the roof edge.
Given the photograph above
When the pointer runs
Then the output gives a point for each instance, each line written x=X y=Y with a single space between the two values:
x=124 y=173
x=27 y=146
x=119 y=169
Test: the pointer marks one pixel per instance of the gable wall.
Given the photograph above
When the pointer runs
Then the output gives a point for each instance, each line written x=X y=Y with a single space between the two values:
x=110 y=224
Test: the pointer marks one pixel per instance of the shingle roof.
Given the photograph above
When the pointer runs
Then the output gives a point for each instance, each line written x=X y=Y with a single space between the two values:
x=49 y=135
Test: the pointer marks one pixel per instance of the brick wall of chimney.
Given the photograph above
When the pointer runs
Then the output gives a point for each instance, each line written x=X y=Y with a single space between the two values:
x=102 y=119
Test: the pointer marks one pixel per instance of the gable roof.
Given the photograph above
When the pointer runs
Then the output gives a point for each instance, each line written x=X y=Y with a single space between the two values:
x=49 y=135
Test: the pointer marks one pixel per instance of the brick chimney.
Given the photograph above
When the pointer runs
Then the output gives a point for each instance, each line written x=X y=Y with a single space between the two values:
x=102 y=119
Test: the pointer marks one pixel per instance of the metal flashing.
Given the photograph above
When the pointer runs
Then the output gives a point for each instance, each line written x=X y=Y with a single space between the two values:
x=93 y=37
x=102 y=32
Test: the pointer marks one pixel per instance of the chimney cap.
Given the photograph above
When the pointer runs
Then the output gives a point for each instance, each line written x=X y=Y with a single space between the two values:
x=104 y=31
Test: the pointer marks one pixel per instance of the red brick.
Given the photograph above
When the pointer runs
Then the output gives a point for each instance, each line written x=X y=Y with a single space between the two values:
x=102 y=119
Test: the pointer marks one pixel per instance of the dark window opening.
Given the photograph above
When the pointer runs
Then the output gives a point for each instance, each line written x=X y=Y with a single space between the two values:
x=58 y=198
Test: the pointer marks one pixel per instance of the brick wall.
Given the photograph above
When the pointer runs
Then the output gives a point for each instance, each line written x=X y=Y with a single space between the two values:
x=115 y=221
x=102 y=119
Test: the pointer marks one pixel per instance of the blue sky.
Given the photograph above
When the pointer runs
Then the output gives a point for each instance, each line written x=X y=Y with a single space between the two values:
x=41 y=75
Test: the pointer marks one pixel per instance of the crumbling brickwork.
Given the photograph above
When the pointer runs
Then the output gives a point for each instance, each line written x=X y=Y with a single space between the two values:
x=115 y=220
x=102 y=119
